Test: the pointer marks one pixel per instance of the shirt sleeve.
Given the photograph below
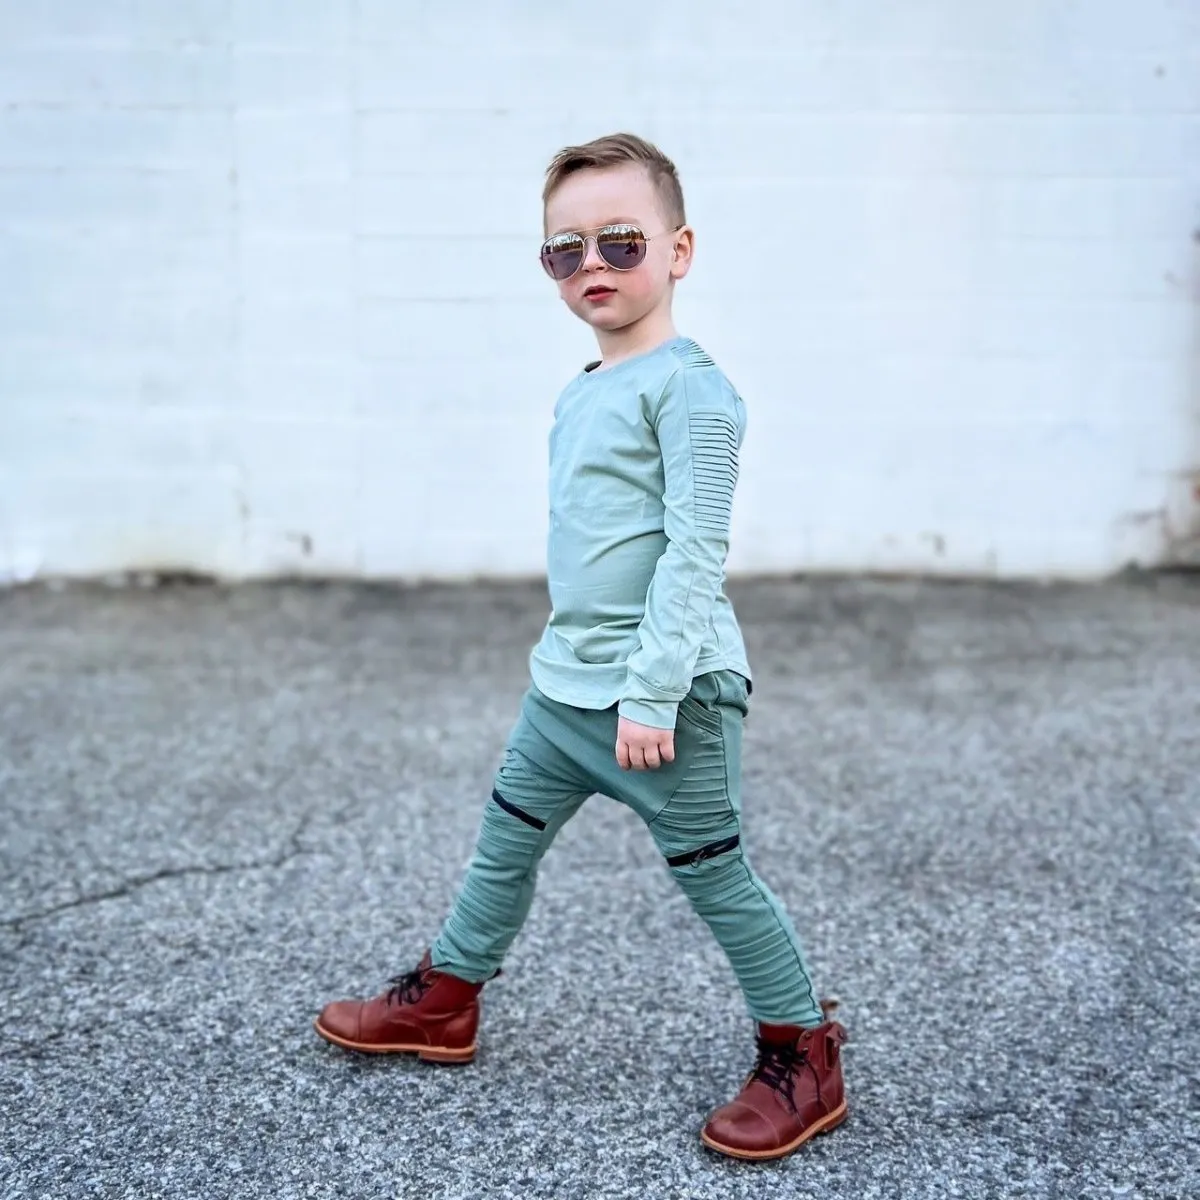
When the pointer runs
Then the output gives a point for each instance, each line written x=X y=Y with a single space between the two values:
x=700 y=422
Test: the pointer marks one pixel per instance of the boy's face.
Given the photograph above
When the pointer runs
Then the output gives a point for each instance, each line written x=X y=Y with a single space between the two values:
x=590 y=199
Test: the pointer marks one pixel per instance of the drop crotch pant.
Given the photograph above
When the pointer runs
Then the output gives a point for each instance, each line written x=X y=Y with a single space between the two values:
x=531 y=801
x=557 y=756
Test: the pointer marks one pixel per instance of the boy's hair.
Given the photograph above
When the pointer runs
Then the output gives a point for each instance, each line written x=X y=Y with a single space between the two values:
x=616 y=150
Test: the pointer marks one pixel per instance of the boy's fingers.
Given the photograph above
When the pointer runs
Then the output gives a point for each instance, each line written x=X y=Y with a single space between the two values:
x=646 y=754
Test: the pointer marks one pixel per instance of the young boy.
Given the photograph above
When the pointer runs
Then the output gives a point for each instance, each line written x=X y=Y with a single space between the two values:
x=640 y=681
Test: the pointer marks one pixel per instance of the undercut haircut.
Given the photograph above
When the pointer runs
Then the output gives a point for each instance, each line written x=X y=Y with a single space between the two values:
x=618 y=150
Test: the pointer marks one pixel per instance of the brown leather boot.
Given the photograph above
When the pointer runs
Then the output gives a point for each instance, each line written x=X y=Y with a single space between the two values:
x=795 y=1092
x=426 y=1012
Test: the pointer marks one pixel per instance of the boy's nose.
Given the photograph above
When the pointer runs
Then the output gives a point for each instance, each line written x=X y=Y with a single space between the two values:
x=591 y=255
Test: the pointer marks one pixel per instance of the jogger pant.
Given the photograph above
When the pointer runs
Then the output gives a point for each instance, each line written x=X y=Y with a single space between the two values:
x=557 y=756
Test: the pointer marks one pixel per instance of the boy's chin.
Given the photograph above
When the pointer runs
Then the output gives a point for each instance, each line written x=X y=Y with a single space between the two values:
x=609 y=322
x=607 y=319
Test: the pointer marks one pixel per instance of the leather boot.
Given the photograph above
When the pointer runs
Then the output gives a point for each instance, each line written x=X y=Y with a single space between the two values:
x=795 y=1092
x=426 y=1012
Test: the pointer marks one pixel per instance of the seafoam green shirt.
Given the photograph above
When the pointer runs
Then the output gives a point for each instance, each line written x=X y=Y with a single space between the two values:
x=643 y=464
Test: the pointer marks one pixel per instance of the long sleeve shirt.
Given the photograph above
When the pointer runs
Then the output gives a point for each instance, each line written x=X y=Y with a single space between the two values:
x=643 y=464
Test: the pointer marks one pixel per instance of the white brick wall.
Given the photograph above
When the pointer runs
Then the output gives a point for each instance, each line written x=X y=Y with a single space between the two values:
x=271 y=301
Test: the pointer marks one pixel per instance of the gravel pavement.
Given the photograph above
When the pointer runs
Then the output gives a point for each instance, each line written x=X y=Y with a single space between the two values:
x=223 y=807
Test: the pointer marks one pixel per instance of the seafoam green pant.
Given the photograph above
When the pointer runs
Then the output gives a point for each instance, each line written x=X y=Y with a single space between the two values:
x=556 y=757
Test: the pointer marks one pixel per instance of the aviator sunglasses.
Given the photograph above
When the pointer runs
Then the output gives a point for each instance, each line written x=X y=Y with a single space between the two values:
x=622 y=247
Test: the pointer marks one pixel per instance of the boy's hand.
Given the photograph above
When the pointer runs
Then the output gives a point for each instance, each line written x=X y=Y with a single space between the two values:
x=642 y=747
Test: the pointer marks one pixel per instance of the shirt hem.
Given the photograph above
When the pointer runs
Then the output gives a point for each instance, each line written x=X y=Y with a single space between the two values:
x=551 y=689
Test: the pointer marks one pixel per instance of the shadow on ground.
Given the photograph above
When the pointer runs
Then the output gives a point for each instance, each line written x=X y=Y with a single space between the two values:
x=223 y=807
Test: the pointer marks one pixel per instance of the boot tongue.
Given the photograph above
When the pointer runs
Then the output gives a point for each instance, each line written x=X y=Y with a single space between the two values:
x=779 y=1035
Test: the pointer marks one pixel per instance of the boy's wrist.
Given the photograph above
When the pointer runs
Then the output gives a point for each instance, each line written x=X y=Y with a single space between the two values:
x=657 y=714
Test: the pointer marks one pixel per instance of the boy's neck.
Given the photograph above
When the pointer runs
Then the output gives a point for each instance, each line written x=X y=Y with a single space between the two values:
x=652 y=330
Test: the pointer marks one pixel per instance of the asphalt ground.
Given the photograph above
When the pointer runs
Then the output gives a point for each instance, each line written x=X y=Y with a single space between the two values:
x=223 y=807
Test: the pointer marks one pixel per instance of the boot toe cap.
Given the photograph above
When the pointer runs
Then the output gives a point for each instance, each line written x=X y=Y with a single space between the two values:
x=740 y=1128
x=342 y=1019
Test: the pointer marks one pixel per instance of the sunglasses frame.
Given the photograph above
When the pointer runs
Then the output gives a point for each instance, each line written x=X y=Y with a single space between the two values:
x=593 y=235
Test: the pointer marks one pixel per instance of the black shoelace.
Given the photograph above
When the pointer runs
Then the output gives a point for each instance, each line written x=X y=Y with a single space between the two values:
x=408 y=989
x=777 y=1065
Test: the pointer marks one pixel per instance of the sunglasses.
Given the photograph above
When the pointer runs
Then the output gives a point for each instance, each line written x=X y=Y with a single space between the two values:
x=622 y=247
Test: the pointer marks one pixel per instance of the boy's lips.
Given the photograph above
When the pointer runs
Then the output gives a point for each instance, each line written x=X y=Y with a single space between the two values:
x=597 y=292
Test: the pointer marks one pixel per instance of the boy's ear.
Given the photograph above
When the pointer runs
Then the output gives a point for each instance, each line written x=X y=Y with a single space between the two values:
x=682 y=251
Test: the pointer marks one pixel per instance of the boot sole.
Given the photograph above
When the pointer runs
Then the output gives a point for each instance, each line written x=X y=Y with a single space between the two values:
x=435 y=1054
x=827 y=1124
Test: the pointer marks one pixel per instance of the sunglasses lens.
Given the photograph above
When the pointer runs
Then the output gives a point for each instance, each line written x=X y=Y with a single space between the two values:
x=562 y=256
x=621 y=246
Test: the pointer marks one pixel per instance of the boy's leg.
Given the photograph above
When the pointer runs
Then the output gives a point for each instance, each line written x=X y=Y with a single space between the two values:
x=434 y=1011
x=697 y=827
x=537 y=789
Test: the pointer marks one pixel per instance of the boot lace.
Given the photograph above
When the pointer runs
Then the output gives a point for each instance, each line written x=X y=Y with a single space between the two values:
x=777 y=1067
x=408 y=989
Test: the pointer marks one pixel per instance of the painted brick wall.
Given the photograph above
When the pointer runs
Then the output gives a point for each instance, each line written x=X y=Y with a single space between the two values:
x=270 y=298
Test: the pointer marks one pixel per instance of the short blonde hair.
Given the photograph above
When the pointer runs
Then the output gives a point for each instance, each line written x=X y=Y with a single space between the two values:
x=616 y=150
